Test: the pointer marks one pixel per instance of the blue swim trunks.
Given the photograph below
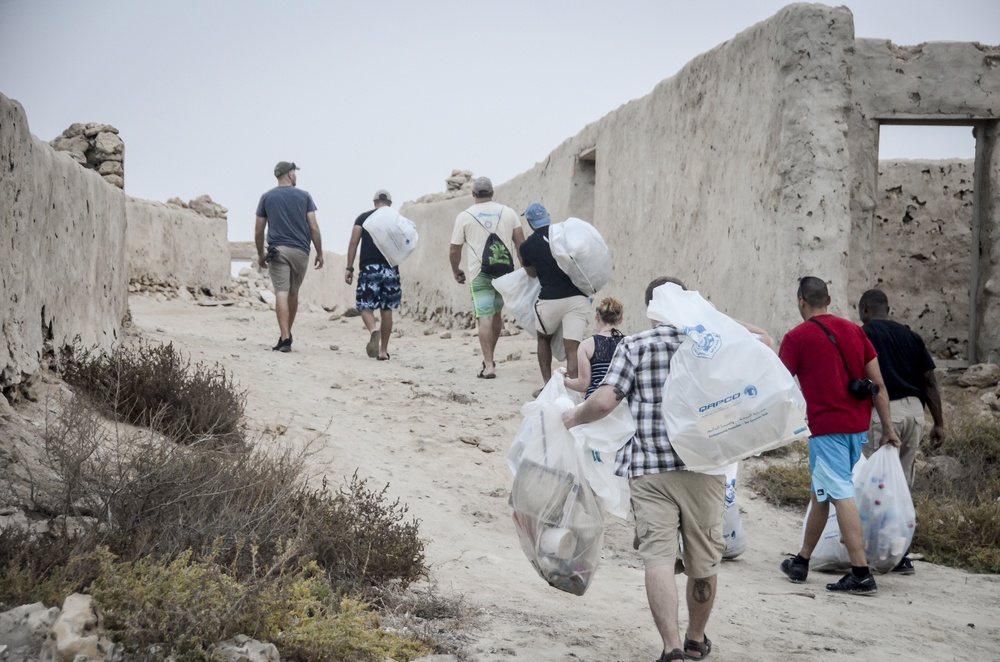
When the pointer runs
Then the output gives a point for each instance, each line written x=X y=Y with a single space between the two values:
x=831 y=459
x=378 y=288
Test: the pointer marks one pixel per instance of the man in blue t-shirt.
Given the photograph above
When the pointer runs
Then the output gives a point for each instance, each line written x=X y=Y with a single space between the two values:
x=289 y=214
x=378 y=282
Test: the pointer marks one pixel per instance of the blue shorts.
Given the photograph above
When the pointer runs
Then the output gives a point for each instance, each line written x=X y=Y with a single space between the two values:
x=831 y=459
x=378 y=288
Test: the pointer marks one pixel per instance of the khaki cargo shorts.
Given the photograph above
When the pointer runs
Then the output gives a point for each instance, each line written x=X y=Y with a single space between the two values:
x=572 y=313
x=680 y=502
x=287 y=267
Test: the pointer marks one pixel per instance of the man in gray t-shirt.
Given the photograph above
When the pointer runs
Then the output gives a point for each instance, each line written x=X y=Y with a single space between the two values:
x=289 y=214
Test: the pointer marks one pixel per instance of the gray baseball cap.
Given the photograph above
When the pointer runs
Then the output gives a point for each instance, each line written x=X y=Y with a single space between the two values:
x=482 y=186
x=283 y=168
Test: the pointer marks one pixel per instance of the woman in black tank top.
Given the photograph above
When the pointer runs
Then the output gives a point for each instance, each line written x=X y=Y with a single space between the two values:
x=595 y=352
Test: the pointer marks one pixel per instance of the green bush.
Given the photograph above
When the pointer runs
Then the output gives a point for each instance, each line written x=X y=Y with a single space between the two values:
x=788 y=483
x=155 y=386
x=180 y=609
x=958 y=521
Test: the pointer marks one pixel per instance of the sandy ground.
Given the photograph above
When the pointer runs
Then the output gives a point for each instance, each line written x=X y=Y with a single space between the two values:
x=423 y=423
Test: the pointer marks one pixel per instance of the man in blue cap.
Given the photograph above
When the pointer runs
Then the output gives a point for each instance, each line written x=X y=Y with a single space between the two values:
x=560 y=303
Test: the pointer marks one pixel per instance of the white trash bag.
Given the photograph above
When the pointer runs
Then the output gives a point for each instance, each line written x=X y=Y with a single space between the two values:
x=394 y=235
x=597 y=444
x=556 y=514
x=580 y=251
x=728 y=396
x=888 y=518
x=520 y=292
x=732 y=523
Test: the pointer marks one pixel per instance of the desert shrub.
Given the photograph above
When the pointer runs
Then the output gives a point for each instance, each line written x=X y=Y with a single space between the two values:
x=179 y=609
x=154 y=385
x=360 y=538
x=958 y=521
x=141 y=495
x=41 y=568
x=787 y=483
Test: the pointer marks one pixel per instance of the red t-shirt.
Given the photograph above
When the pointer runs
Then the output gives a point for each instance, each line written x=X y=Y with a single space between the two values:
x=809 y=355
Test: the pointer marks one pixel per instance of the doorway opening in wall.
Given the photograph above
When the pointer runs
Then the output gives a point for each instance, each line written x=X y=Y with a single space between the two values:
x=924 y=232
x=581 y=195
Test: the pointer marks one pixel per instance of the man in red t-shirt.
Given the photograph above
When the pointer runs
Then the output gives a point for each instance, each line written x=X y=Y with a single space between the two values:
x=825 y=353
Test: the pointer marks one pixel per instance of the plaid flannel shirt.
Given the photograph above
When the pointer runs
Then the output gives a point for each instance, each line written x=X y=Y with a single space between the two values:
x=638 y=369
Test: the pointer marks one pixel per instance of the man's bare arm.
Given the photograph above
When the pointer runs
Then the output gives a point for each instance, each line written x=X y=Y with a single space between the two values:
x=597 y=406
x=455 y=257
x=352 y=251
x=933 y=394
x=258 y=237
x=316 y=238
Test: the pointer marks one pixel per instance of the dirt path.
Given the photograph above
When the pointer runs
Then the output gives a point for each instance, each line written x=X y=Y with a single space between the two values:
x=423 y=423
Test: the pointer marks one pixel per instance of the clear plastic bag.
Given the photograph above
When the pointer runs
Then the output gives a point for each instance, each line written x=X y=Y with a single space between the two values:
x=596 y=443
x=888 y=518
x=555 y=511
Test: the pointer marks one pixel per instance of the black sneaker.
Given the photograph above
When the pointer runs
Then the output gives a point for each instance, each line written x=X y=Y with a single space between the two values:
x=796 y=572
x=851 y=584
x=904 y=567
x=283 y=345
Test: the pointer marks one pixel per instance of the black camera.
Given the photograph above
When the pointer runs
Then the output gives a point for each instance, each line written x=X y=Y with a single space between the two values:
x=862 y=389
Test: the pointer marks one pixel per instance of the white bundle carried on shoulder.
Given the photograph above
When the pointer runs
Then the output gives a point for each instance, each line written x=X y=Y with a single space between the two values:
x=520 y=292
x=580 y=251
x=394 y=235
x=727 y=396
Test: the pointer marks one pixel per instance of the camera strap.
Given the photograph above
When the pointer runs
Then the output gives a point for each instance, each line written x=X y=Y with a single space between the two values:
x=834 y=341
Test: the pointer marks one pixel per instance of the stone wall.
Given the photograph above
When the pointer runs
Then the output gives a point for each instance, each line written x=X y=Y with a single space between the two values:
x=938 y=82
x=922 y=249
x=62 y=251
x=97 y=147
x=731 y=175
x=175 y=244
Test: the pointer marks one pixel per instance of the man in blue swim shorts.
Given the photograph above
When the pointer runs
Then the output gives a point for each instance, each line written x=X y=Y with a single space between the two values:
x=825 y=353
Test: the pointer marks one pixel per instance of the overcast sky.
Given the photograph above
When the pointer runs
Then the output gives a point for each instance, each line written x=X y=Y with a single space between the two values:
x=208 y=95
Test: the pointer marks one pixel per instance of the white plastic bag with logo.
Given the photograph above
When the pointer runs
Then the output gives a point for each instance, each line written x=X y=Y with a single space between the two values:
x=580 y=251
x=728 y=396
x=520 y=292
x=732 y=523
x=394 y=235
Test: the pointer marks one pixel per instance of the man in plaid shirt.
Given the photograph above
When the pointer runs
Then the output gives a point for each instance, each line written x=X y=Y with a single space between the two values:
x=666 y=498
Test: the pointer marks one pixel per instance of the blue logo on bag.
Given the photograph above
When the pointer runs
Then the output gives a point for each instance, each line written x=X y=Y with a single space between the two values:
x=706 y=343
x=750 y=391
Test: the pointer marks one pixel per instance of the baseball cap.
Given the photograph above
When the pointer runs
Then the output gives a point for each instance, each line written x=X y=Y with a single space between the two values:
x=283 y=168
x=482 y=185
x=537 y=215
x=382 y=194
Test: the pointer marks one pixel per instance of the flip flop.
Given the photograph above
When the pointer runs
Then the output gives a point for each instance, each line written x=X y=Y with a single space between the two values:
x=387 y=357
x=372 y=347
x=482 y=373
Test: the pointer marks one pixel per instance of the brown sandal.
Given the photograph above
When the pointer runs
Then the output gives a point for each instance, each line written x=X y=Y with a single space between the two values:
x=701 y=647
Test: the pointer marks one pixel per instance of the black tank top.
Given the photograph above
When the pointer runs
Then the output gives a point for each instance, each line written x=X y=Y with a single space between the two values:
x=604 y=349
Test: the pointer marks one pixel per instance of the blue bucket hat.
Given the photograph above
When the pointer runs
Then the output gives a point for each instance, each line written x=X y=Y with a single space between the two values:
x=537 y=215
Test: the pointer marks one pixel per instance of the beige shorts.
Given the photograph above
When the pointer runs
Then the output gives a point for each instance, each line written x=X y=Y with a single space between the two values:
x=572 y=313
x=908 y=422
x=684 y=502
x=287 y=268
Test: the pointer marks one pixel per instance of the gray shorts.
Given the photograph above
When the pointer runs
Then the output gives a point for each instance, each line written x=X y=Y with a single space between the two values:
x=287 y=267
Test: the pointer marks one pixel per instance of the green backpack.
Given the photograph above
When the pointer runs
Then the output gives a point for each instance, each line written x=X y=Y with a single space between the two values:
x=496 y=259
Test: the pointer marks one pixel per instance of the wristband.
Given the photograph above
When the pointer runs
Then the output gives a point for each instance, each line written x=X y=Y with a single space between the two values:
x=348 y=268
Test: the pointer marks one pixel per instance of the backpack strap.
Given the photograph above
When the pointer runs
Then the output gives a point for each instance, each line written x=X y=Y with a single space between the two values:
x=834 y=341
x=481 y=223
